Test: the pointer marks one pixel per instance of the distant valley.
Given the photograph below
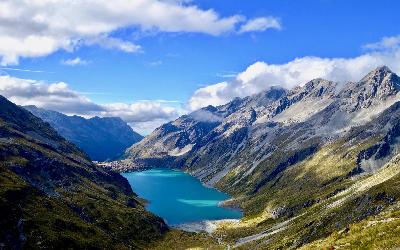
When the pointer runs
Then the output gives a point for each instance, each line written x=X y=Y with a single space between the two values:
x=101 y=138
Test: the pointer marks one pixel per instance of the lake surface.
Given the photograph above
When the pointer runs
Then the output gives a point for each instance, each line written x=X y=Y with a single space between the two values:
x=178 y=197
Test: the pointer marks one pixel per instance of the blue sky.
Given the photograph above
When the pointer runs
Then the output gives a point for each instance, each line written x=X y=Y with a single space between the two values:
x=173 y=65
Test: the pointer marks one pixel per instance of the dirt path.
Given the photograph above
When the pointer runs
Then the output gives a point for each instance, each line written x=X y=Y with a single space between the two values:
x=271 y=231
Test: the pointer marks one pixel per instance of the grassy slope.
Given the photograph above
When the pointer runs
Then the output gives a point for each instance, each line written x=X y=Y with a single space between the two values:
x=380 y=231
x=377 y=232
x=179 y=240
x=321 y=206
x=318 y=179
x=54 y=197
x=86 y=214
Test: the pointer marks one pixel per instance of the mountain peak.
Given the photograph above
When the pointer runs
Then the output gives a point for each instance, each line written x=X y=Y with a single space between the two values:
x=383 y=78
x=382 y=69
x=315 y=88
x=379 y=75
x=377 y=86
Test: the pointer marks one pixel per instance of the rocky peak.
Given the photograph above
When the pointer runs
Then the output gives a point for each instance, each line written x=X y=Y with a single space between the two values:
x=377 y=86
x=260 y=100
x=210 y=108
x=266 y=97
x=378 y=73
x=316 y=88
x=381 y=81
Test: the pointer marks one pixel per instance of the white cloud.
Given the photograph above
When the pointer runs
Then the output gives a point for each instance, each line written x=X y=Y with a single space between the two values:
x=143 y=115
x=24 y=70
x=145 y=128
x=140 y=111
x=114 y=43
x=75 y=61
x=385 y=43
x=155 y=63
x=261 y=76
x=55 y=96
x=205 y=116
x=260 y=24
x=227 y=74
x=34 y=28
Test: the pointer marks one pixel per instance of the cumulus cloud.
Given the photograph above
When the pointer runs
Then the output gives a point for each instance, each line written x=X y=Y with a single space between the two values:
x=33 y=28
x=75 y=61
x=260 y=24
x=143 y=111
x=385 y=43
x=113 y=43
x=143 y=115
x=205 y=116
x=56 y=96
x=261 y=76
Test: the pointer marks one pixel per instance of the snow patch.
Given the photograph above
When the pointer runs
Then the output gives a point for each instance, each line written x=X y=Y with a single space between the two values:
x=181 y=151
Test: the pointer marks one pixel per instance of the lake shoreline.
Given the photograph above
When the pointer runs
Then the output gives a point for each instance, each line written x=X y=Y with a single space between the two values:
x=181 y=199
x=228 y=203
x=208 y=226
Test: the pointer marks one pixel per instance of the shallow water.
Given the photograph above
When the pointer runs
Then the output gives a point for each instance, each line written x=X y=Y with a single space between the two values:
x=178 y=197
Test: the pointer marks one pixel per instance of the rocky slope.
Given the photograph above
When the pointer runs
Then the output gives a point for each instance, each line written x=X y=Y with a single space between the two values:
x=52 y=196
x=101 y=138
x=303 y=164
x=173 y=141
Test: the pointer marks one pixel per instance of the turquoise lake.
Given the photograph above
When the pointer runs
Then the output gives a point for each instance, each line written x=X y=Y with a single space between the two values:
x=178 y=197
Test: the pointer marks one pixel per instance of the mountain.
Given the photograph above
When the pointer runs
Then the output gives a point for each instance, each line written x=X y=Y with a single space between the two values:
x=190 y=133
x=316 y=167
x=52 y=196
x=101 y=138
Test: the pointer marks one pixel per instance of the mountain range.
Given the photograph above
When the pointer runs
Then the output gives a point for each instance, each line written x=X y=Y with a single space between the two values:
x=310 y=166
x=314 y=167
x=102 y=139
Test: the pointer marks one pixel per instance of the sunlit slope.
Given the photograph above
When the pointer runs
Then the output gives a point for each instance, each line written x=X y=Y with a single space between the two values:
x=52 y=196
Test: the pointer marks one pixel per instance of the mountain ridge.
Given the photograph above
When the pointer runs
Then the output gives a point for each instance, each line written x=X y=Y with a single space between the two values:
x=101 y=138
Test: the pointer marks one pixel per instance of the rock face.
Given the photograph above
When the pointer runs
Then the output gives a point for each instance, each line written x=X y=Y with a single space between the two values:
x=211 y=147
x=101 y=138
x=176 y=140
x=52 y=196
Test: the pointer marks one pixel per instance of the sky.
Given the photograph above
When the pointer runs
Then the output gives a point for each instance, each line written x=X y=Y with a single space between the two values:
x=149 y=61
